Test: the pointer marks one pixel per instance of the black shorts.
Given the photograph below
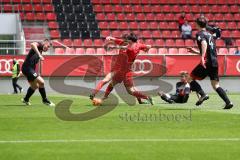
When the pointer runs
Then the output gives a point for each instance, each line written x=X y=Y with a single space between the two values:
x=199 y=73
x=30 y=73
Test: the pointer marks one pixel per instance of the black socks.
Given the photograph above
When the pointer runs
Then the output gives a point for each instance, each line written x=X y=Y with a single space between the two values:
x=223 y=95
x=43 y=93
x=30 y=92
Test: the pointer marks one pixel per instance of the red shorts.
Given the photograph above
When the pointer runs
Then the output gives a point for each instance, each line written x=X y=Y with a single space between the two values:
x=125 y=77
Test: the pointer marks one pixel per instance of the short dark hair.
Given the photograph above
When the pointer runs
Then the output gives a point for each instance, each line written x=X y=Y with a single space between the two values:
x=202 y=22
x=47 y=40
x=132 y=37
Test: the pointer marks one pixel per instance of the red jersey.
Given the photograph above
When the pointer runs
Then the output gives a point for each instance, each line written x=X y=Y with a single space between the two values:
x=127 y=56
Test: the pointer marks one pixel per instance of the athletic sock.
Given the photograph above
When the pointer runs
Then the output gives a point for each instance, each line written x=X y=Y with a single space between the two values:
x=30 y=92
x=43 y=93
x=139 y=100
x=99 y=86
x=108 y=90
x=195 y=86
x=139 y=95
x=223 y=95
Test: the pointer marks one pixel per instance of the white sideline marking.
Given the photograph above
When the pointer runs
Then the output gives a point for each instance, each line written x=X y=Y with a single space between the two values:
x=119 y=140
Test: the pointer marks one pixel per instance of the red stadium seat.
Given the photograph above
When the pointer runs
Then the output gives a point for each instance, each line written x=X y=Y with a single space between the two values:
x=113 y=25
x=166 y=8
x=123 y=25
x=110 y=17
x=186 y=8
x=170 y=43
x=222 y=25
x=121 y=17
x=153 y=25
x=67 y=42
x=118 y=8
x=27 y=8
x=189 y=43
x=26 y=1
x=143 y=25
x=162 y=51
x=136 y=2
x=40 y=17
x=163 y=25
x=160 y=17
x=218 y=17
x=223 y=51
x=170 y=17
x=100 y=16
x=145 y=2
x=98 y=43
x=220 y=43
x=46 y=1
x=147 y=9
x=150 y=17
x=157 y=9
x=238 y=42
x=7 y=8
x=87 y=43
x=80 y=51
x=146 y=34
x=160 y=43
x=236 y=34
x=116 y=33
x=56 y=44
x=153 y=51
x=128 y=8
x=70 y=51
x=180 y=43
x=228 y=17
x=156 y=34
x=176 y=8
x=48 y=8
x=231 y=1
x=232 y=50
x=105 y=33
x=224 y=9
x=234 y=9
x=130 y=17
x=29 y=16
x=59 y=51
x=36 y=1
x=232 y=25
x=101 y=51
x=108 y=8
x=38 y=8
x=133 y=25
x=215 y=9
x=96 y=2
x=115 y=2
x=137 y=9
x=140 y=17
x=52 y=25
x=226 y=34
x=126 y=1
x=149 y=42
x=206 y=9
x=98 y=8
x=173 y=51
x=77 y=42
x=183 y=51
x=106 y=1
x=173 y=25
x=51 y=16
x=237 y=17
x=103 y=25
x=196 y=9
x=54 y=34
x=90 y=51
x=166 y=34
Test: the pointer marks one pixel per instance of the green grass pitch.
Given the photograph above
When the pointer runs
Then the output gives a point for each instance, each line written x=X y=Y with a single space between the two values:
x=206 y=132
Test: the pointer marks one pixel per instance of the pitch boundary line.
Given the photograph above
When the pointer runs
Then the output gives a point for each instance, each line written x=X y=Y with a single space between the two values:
x=121 y=140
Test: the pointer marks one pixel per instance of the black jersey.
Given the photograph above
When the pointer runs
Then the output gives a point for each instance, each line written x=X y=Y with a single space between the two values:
x=211 y=55
x=32 y=58
x=182 y=89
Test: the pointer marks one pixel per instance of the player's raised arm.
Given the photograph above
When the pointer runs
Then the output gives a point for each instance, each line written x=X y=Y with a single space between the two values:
x=193 y=50
x=34 y=46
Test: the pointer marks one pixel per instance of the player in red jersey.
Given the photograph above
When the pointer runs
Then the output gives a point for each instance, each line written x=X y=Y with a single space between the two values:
x=121 y=45
x=121 y=70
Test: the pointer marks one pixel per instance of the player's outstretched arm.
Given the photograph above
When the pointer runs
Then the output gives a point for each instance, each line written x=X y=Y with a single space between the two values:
x=34 y=46
x=193 y=50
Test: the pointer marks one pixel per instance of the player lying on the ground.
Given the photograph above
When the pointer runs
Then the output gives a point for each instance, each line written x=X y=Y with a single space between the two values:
x=28 y=69
x=121 y=70
x=121 y=45
x=208 y=65
x=182 y=91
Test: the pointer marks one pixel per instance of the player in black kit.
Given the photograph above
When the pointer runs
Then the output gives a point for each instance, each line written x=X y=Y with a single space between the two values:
x=28 y=69
x=208 y=65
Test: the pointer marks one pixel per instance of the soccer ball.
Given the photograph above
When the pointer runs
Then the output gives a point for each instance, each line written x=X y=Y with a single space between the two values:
x=97 y=102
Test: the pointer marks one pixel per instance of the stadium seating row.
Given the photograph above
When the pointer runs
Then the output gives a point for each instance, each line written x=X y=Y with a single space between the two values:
x=167 y=8
x=181 y=51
